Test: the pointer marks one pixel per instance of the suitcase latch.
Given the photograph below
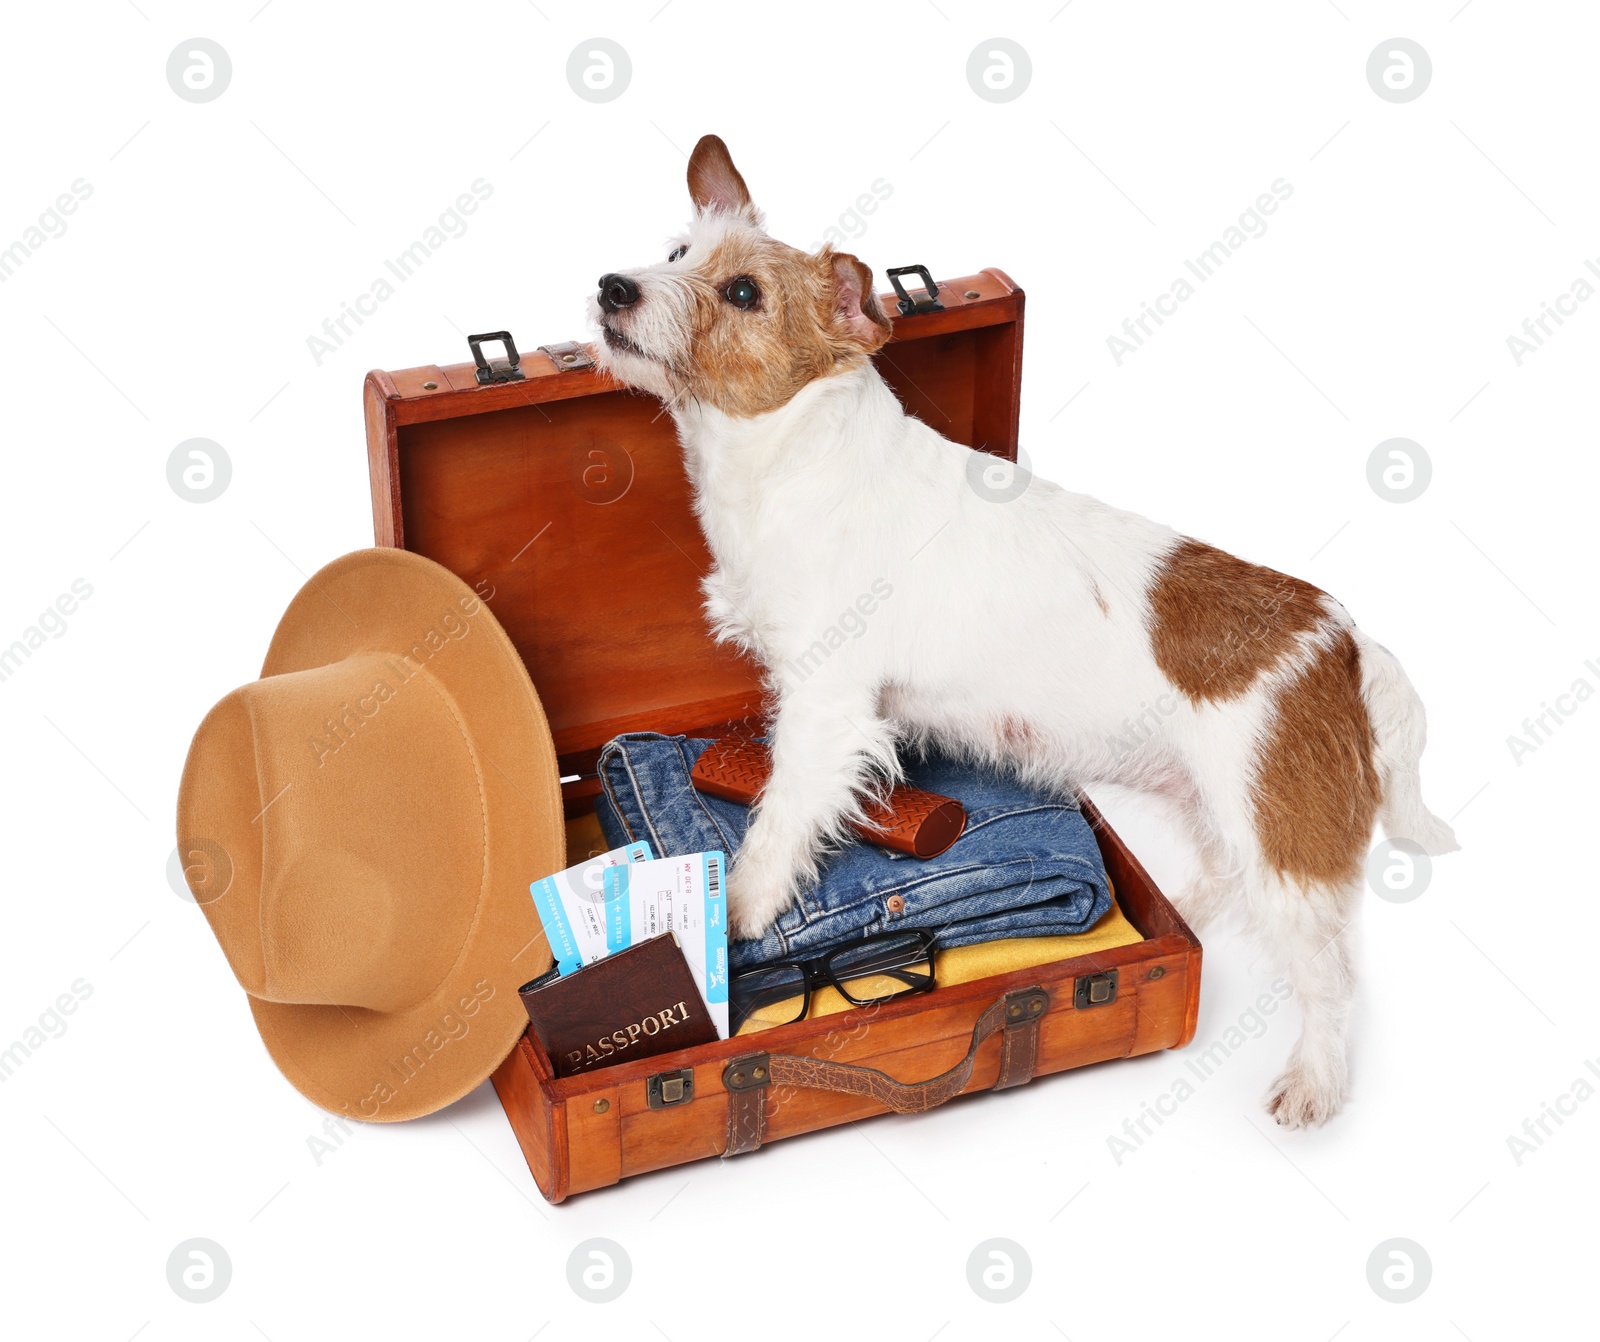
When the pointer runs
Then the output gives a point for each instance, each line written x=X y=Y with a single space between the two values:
x=929 y=302
x=490 y=372
x=665 y=1089
x=1092 y=990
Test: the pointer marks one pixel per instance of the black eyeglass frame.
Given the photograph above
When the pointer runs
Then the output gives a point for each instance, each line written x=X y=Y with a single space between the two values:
x=819 y=971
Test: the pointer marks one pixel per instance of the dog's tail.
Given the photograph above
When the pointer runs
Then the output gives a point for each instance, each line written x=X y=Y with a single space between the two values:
x=1400 y=729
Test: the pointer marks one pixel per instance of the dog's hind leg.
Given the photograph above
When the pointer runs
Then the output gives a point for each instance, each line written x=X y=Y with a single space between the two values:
x=1311 y=932
x=1307 y=932
x=1314 y=798
x=1289 y=785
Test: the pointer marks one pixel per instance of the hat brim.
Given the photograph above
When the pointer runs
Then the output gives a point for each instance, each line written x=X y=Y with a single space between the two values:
x=388 y=1066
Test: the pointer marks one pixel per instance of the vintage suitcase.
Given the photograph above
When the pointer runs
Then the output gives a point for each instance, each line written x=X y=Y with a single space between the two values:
x=562 y=500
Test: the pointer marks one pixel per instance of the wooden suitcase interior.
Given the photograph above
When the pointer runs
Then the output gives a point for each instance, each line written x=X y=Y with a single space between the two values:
x=562 y=500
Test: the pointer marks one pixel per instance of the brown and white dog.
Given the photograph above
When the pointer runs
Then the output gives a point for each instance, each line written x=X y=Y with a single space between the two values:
x=1026 y=629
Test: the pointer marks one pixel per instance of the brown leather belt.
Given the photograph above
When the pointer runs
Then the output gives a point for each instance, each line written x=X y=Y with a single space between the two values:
x=748 y=1078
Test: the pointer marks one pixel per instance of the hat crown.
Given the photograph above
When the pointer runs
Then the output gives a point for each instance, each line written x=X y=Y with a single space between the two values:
x=368 y=826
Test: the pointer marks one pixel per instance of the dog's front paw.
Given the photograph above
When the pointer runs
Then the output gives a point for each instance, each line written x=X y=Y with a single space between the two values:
x=1300 y=1100
x=757 y=893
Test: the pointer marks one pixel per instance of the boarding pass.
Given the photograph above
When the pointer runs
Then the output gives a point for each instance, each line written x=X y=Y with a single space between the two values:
x=571 y=905
x=683 y=895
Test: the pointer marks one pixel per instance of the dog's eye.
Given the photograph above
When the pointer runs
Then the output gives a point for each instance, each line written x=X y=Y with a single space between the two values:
x=678 y=253
x=742 y=292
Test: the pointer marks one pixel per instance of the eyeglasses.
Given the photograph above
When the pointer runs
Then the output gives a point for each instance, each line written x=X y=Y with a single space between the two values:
x=865 y=973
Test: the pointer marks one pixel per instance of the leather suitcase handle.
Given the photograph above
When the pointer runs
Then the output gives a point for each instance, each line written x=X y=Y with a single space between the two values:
x=915 y=822
x=747 y=1078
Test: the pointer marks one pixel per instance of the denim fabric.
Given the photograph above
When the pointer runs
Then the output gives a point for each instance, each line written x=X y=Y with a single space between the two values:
x=1026 y=865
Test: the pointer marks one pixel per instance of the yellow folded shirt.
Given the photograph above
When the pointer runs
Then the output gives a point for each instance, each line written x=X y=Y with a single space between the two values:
x=963 y=964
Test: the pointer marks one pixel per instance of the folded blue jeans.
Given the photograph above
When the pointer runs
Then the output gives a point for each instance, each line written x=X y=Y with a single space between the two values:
x=1026 y=865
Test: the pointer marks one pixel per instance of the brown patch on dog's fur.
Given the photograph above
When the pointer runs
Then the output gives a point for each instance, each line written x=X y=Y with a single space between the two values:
x=1217 y=622
x=1317 y=790
x=1099 y=597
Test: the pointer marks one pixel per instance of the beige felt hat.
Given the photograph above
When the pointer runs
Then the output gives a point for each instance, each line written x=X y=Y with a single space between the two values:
x=360 y=827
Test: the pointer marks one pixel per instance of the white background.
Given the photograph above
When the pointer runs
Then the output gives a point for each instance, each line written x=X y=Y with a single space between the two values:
x=219 y=236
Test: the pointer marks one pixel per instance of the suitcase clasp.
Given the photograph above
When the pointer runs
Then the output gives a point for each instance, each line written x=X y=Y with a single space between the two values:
x=1092 y=990
x=665 y=1089
x=489 y=372
x=906 y=303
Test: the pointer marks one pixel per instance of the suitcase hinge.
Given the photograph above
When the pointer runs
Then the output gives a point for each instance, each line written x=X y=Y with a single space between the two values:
x=1092 y=990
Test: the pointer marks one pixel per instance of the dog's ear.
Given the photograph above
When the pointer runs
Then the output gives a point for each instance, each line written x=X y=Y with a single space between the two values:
x=858 y=317
x=714 y=183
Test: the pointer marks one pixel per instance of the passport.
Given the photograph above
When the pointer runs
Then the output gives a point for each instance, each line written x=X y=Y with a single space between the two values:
x=637 y=1002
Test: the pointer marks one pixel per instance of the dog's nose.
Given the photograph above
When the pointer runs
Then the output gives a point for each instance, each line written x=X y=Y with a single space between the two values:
x=617 y=291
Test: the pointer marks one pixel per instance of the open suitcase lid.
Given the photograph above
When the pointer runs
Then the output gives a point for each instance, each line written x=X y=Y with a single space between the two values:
x=562 y=499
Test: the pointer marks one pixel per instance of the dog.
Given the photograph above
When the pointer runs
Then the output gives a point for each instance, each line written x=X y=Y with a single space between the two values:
x=1026 y=634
